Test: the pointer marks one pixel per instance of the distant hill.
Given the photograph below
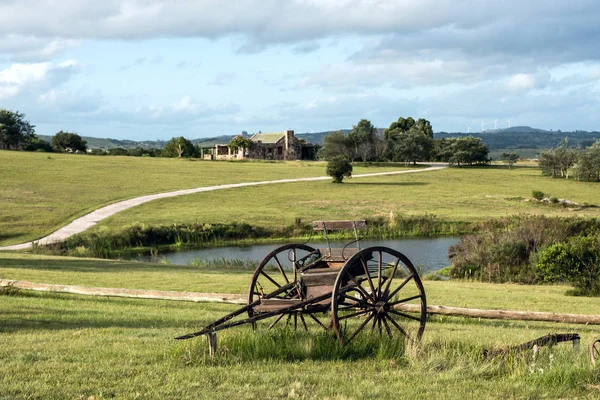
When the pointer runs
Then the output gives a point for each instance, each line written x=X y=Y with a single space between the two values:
x=516 y=137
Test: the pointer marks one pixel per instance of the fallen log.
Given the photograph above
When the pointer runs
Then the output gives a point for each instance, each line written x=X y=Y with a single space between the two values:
x=548 y=340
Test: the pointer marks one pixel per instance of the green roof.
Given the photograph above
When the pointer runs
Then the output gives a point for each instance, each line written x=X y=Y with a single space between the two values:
x=267 y=137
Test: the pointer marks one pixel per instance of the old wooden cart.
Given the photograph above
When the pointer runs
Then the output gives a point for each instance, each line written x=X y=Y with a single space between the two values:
x=346 y=289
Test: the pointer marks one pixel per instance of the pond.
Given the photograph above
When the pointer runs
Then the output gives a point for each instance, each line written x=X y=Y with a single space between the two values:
x=430 y=254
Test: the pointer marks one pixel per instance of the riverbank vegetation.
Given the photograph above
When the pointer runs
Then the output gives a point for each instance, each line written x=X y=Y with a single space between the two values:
x=532 y=249
x=67 y=346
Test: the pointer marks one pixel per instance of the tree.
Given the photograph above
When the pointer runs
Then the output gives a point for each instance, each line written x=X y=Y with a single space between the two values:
x=240 y=141
x=588 y=165
x=363 y=137
x=339 y=168
x=15 y=131
x=510 y=158
x=466 y=150
x=409 y=140
x=37 y=144
x=336 y=144
x=412 y=146
x=577 y=260
x=404 y=125
x=179 y=147
x=558 y=161
x=70 y=142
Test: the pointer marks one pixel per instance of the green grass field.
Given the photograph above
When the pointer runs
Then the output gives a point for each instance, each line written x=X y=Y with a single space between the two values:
x=41 y=192
x=68 y=346
x=454 y=194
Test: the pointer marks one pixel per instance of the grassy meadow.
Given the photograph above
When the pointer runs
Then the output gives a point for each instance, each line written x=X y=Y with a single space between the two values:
x=68 y=346
x=453 y=194
x=41 y=192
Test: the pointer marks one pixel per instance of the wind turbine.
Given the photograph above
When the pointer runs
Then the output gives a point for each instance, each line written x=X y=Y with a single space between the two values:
x=468 y=129
x=482 y=126
x=508 y=120
x=495 y=124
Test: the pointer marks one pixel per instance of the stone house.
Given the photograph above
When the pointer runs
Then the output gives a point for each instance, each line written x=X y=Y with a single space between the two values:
x=268 y=146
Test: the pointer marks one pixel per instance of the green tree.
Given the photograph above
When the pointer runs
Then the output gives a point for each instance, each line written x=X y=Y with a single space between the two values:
x=15 y=131
x=466 y=150
x=68 y=141
x=338 y=167
x=558 y=161
x=510 y=158
x=37 y=144
x=412 y=146
x=336 y=144
x=240 y=141
x=588 y=165
x=363 y=137
x=179 y=147
x=577 y=260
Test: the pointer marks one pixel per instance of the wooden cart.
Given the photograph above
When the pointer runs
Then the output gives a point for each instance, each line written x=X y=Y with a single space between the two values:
x=347 y=289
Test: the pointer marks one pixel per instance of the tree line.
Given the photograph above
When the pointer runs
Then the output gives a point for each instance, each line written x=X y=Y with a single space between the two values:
x=17 y=133
x=563 y=161
x=405 y=140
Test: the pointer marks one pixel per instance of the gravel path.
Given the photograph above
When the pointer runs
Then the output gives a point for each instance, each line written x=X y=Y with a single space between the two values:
x=87 y=221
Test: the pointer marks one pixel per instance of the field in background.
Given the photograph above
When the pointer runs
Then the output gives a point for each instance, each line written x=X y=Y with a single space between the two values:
x=454 y=194
x=41 y=192
x=68 y=346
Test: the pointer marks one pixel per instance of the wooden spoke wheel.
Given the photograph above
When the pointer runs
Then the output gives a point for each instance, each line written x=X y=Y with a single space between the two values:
x=595 y=351
x=278 y=269
x=378 y=290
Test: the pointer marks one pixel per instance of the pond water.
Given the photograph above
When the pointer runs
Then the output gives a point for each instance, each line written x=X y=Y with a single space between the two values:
x=429 y=253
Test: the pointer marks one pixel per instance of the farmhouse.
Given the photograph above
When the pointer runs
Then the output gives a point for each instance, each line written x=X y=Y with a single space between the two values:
x=267 y=146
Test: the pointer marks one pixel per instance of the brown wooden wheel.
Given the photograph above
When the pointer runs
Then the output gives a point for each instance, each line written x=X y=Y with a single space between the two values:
x=277 y=269
x=595 y=351
x=370 y=291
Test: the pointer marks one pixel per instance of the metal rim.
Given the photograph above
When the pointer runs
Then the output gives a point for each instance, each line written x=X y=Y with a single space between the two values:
x=595 y=351
x=281 y=257
x=384 y=279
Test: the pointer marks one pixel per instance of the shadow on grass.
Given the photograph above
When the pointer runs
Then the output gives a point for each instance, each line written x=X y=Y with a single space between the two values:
x=391 y=183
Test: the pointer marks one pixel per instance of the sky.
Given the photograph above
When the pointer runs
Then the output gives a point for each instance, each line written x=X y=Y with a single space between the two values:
x=154 y=69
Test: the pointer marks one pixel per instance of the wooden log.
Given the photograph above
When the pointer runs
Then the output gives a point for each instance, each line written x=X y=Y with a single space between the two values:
x=241 y=299
x=128 y=293
x=505 y=314
x=211 y=337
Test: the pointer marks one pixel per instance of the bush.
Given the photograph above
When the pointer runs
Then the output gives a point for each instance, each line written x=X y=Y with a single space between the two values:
x=505 y=250
x=538 y=195
x=577 y=261
x=553 y=200
x=339 y=168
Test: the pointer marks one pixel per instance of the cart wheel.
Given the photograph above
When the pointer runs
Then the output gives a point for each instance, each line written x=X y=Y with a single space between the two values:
x=277 y=269
x=595 y=351
x=378 y=289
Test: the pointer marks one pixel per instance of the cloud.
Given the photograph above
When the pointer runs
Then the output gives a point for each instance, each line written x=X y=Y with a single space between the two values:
x=477 y=28
x=31 y=48
x=182 y=112
x=223 y=78
x=23 y=78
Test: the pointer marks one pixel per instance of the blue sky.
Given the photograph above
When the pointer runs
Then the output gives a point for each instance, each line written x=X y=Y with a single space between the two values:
x=153 y=69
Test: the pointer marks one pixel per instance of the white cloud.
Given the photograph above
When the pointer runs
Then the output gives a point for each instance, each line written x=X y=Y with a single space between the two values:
x=521 y=82
x=19 y=78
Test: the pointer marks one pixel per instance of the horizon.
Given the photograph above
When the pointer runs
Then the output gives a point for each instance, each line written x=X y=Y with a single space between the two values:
x=153 y=70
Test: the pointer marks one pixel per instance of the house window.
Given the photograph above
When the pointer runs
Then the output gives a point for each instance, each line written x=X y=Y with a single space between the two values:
x=280 y=150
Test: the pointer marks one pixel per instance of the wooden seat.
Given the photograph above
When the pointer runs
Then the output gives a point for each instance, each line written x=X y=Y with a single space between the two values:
x=339 y=225
x=267 y=305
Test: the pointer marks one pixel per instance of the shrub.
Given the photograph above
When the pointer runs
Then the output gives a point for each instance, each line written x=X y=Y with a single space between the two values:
x=537 y=194
x=577 y=261
x=505 y=249
x=553 y=200
x=339 y=168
